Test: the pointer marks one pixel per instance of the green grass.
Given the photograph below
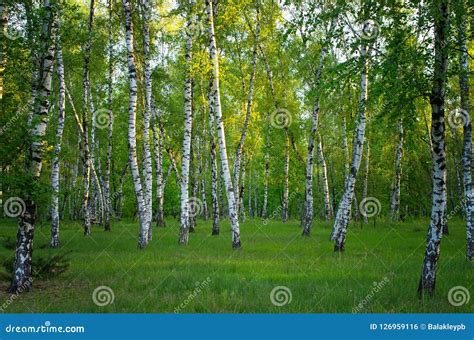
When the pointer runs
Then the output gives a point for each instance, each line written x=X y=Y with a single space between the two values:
x=161 y=277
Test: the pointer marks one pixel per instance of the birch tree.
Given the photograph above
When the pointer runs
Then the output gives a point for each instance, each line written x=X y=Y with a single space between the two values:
x=132 y=134
x=55 y=164
x=232 y=204
x=21 y=279
x=395 y=197
x=440 y=14
x=343 y=212
x=188 y=123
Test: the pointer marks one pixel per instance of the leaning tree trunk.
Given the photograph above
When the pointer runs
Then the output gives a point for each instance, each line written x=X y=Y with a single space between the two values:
x=86 y=157
x=395 y=198
x=240 y=146
x=132 y=134
x=308 y=202
x=365 y=185
x=108 y=162
x=221 y=133
x=343 y=212
x=467 y=133
x=188 y=123
x=54 y=243
x=214 y=174
x=286 y=173
x=21 y=278
x=147 y=167
x=437 y=101
x=158 y=153
x=325 y=183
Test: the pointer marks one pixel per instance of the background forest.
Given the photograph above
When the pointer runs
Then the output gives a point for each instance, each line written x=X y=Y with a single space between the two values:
x=256 y=122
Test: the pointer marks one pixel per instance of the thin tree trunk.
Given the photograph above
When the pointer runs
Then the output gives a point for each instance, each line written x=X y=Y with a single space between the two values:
x=188 y=123
x=437 y=101
x=366 y=178
x=308 y=202
x=132 y=135
x=395 y=199
x=236 y=243
x=3 y=55
x=86 y=165
x=286 y=172
x=21 y=278
x=108 y=200
x=158 y=153
x=54 y=243
x=343 y=213
x=325 y=183
x=147 y=167
x=214 y=173
x=467 y=132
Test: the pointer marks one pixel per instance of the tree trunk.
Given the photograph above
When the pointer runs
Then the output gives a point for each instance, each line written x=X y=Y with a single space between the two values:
x=366 y=179
x=343 y=212
x=214 y=174
x=221 y=133
x=21 y=278
x=188 y=123
x=147 y=167
x=395 y=199
x=286 y=173
x=108 y=199
x=158 y=153
x=308 y=202
x=57 y=148
x=437 y=101
x=325 y=183
x=86 y=159
x=467 y=132
x=132 y=135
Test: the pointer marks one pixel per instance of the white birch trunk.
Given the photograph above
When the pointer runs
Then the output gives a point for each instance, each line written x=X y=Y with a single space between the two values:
x=147 y=167
x=132 y=135
x=188 y=123
x=325 y=183
x=395 y=199
x=437 y=101
x=221 y=133
x=343 y=213
x=214 y=173
x=55 y=164
x=21 y=277
x=366 y=178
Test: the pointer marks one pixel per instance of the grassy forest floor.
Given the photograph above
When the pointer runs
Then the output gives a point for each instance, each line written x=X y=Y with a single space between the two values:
x=378 y=272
